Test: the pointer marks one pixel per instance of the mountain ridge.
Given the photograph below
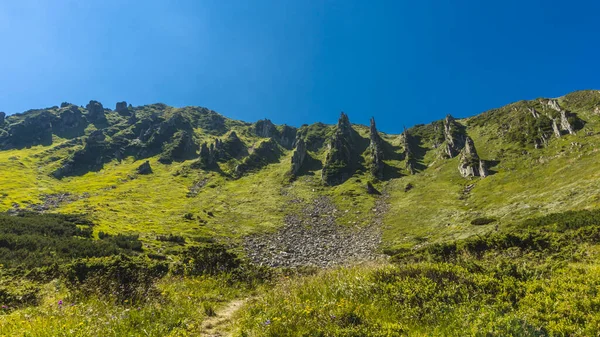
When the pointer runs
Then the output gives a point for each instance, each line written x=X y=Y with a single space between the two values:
x=260 y=165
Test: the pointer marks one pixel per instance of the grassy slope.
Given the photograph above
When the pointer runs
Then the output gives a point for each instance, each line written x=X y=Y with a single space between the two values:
x=561 y=176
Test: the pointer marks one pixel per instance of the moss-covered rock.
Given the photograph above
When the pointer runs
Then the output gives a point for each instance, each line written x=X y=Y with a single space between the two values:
x=341 y=157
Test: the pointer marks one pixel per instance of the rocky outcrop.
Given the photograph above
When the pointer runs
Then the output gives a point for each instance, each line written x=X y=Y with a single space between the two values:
x=287 y=136
x=565 y=124
x=340 y=162
x=266 y=129
x=122 y=108
x=470 y=165
x=70 y=122
x=555 y=128
x=2 y=116
x=376 y=149
x=34 y=129
x=95 y=112
x=561 y=123
x=220 y=151
x=265 y=153
x=454 y=137
x=534 y=113
x=90 y=158
x=144 y=168
x=183 y=146
x=298 y=157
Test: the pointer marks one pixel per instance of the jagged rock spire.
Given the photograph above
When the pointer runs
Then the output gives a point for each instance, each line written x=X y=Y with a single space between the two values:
x=376 y=148
x=339 y=164
x=265 y=128
x=563 y=119
x=298 y=157
x=470 y=165
x=455 y=140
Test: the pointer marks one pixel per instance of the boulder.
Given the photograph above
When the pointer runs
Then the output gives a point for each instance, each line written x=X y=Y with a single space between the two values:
x=144 y=168
x=371 y=189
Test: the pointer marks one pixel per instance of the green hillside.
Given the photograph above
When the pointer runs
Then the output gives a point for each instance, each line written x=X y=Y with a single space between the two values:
x=427 y=211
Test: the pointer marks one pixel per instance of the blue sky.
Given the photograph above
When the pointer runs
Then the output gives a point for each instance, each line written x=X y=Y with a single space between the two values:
x=298 y=61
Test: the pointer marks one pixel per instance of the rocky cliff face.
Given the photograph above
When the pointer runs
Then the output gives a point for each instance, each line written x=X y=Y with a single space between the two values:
x=70 y=122
x=287 y=136
x=376 y=149
x=470 y=165
x=34 y=129
x=266 y=129
x=340 y=161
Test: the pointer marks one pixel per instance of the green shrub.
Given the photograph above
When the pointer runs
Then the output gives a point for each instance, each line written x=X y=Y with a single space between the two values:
x=124 y=278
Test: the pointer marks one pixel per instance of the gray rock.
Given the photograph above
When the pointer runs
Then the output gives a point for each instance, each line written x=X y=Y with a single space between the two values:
x=265 y=128
x=470 y=165
x=298 y=157
x=556 y=129
x=455 y=139
x=121 y=108
x=312 y=238
x=95 y=111
x=564 y=123
x=144 y=168
x=371 y=189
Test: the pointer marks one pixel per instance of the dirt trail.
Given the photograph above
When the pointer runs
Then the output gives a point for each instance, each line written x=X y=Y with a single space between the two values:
x=215 y=326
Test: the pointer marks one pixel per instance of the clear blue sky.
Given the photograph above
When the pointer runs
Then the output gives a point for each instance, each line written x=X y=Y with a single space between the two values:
x=298 y=61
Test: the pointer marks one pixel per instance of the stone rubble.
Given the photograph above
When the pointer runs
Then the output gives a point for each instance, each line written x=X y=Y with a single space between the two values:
x=312 y=238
